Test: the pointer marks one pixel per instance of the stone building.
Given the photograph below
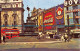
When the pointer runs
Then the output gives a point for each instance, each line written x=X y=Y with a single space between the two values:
x=12 y=14
x=34 y=17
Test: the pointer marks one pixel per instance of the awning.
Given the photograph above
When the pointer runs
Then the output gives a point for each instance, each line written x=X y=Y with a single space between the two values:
x=75 y=31
x=69 y=25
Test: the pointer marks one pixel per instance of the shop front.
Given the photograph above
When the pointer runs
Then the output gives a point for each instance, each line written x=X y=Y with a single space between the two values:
x=76 y=33
x=72 y=10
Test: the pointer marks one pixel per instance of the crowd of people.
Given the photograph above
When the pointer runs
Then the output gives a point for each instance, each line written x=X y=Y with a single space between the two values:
x=63 y=37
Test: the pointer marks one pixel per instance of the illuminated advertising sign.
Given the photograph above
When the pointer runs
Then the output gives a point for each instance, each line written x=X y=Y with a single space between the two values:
x=60 y=14
x=40 y=22
x=71 y=2
x=49 y=19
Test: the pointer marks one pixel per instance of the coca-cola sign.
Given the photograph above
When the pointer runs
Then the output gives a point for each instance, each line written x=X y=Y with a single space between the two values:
x=49 y=19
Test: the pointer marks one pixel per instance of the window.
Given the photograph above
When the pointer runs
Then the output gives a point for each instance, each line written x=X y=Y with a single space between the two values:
x=76 y=20
x=15 y=23
x=6 y=23
x=16 y=5
x=75 y=7
x=6 y=20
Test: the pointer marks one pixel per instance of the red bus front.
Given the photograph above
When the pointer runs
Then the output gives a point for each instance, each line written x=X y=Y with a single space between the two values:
x=10 y=33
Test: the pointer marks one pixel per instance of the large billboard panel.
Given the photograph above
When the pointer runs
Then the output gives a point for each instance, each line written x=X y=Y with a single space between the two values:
x=40 y=22
x=60 y=14
x=49 y=19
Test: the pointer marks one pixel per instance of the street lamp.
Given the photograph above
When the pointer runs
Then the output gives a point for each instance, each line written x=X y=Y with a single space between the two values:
x=0 y=22
x=68 y=25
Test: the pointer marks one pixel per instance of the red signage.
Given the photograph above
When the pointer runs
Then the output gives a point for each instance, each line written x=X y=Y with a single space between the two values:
x=59 y=17
x=49 y=19
x=59 y=11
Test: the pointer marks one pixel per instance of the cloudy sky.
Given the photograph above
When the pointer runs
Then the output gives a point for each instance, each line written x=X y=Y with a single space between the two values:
x=44 y=4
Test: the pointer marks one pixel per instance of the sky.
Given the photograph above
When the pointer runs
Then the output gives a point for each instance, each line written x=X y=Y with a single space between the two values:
x=43 y=4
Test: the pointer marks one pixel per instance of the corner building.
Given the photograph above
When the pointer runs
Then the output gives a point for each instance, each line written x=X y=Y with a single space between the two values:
x=12 y=14
x=72 y=10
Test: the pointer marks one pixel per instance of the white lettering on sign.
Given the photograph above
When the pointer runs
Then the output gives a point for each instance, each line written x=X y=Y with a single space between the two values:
x=76 y=1
x=70 y=2
x=65 y=3
x=48 y=20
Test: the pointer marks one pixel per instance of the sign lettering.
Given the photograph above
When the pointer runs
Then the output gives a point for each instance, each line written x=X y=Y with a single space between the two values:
x=70 y=2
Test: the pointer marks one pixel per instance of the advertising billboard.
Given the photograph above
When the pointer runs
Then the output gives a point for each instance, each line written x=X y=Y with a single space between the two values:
x=40 y=22
x=49 y=19
x=60 y=14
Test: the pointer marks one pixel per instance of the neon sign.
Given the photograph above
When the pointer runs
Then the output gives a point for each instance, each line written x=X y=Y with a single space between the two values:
x=70 y=2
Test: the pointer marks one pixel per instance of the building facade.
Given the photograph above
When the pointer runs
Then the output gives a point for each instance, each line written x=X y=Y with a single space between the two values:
x=12 y=14
x=72 y=10
x=34 y=17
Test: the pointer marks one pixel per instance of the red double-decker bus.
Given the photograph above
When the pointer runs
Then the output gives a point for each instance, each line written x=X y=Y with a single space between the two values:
x=10 y=33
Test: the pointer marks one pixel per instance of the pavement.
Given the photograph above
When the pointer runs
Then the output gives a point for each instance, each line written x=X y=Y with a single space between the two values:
x=31 y=42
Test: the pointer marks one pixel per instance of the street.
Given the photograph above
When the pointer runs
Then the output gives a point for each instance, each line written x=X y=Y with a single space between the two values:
x=40 y=49
x=73 y=45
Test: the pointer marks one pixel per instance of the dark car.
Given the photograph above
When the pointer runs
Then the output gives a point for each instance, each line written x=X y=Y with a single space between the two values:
x=56 y=37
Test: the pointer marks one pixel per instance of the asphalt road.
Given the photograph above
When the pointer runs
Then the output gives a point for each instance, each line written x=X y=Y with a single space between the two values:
x=41 y=49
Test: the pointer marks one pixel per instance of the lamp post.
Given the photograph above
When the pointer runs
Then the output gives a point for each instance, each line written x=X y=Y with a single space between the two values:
x=0 y=22
x=68 y=25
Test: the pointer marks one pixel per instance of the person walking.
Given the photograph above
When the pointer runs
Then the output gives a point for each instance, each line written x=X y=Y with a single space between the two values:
x=62 y=38
x=66 y=37
x=4 y=37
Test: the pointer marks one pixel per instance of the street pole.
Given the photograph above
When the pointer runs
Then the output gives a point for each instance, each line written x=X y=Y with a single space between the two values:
x=0 y=23
x=68 y=25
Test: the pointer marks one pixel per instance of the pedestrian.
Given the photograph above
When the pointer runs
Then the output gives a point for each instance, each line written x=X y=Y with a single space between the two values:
x=69 y=38
x=66 y=37
x=62 y=38
x=4 y=37
x=11 y=35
